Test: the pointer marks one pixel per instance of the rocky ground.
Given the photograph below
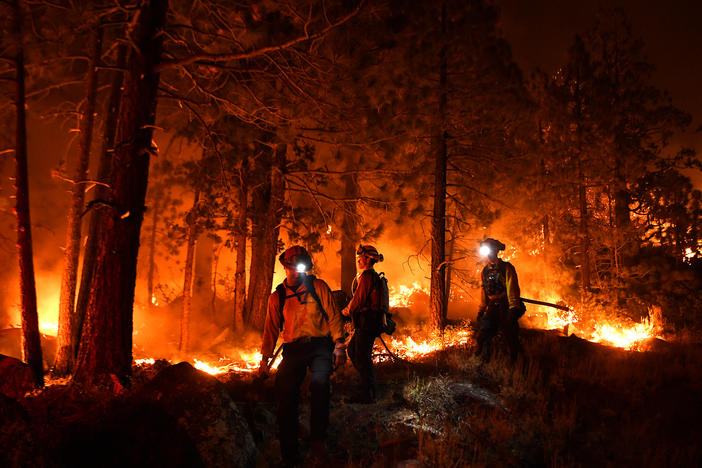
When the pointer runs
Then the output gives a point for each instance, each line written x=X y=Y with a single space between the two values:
x=570 y=403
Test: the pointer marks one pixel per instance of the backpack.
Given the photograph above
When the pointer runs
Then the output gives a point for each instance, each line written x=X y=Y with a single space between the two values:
x=493 y=283
x=309 y=288
x=381 y=319
x=387 y=325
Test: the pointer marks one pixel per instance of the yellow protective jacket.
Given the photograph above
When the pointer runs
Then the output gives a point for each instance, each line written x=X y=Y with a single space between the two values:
x=507 y=276
x=302 y=316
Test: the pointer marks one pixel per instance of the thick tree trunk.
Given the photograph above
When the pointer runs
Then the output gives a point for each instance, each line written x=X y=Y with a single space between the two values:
x=155 y=212
x=240 y=274
x=450 y=248
x=65 y=353
x=349 y=233
x=191 y=238
x=437 y=293
x=106 y=347
x=264 y=242
x=100 y=193
x=31 y=342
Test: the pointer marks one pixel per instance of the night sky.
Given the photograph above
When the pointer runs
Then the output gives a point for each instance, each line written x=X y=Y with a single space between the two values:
x=540 y=32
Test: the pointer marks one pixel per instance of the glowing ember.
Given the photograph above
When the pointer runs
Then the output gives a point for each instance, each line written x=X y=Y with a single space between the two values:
x=142 y=362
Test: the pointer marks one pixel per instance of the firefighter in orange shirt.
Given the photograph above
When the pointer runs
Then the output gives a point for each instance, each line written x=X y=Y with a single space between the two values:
x=364 y=309
x=500 y=302
x=313 y=337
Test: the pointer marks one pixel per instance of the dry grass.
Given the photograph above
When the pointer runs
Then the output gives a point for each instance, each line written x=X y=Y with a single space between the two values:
x=571 y=403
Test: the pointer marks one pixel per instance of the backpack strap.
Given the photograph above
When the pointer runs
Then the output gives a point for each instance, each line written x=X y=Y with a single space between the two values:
x=309 y=287
x=280 y=289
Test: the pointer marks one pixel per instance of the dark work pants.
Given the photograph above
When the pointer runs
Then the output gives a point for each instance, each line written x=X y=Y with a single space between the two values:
x=496 y=318
x=315 y=354
x=360 y=351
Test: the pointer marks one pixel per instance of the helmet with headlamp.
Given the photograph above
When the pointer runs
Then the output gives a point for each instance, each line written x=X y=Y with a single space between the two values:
x=370 y=252
x=489 y=246
x=296 y=258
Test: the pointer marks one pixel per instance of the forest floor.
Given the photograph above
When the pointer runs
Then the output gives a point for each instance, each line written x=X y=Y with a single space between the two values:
x=569 y=402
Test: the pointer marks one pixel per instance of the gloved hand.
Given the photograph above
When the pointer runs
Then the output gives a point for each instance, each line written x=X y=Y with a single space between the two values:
x=516 y=312
x=263 y=369
x=339 y=355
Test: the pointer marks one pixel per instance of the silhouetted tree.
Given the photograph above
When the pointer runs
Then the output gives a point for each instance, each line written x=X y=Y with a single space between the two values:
x=106 y=347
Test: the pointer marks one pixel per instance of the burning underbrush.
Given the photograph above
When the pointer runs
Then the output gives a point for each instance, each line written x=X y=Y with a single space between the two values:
x=414 y=340
x=569 y=402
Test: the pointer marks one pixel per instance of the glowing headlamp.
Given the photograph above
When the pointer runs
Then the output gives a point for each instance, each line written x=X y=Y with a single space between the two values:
x=301 y=268
x=485 y=250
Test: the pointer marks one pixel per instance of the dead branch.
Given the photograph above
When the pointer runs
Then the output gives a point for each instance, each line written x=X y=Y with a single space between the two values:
x=216 y=58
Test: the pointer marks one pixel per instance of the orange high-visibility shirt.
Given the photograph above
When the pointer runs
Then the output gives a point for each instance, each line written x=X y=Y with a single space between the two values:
x=302 y=316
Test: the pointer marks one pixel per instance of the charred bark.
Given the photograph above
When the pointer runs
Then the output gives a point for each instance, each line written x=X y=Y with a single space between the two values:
x=450 y=249
x=65 y=353
x=31 y=342
x=438 y=223
x=106 y=347
x=264 y=242
x=100 y=193
x=191 y=239
x=240 y=274
x=349 y=233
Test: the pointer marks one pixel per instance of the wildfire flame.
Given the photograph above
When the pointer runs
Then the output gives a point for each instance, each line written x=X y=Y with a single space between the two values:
x=402 y=295
x=248 y=361
x=612 y=332
x=49 y=328
x=408 y=348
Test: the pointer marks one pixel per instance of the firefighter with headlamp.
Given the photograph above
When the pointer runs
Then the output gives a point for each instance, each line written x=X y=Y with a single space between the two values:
x=303 y=310
x=363 y=309
x=500 y=302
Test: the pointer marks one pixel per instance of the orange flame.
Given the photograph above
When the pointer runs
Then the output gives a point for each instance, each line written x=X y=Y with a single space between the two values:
x=402 y=295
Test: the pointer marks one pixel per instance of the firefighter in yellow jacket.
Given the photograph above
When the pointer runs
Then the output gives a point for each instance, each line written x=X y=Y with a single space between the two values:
x=500 y=304
x=313 y=337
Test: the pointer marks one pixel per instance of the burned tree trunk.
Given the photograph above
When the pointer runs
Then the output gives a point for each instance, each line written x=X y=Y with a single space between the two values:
x=240 y=274
x=31 y=342
x=438 y=223
x=191 y=237
x=100 y=195
x=349 y=233
x=449 y=266
x=264 y=241
x=65 y=353
x=106 y=347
